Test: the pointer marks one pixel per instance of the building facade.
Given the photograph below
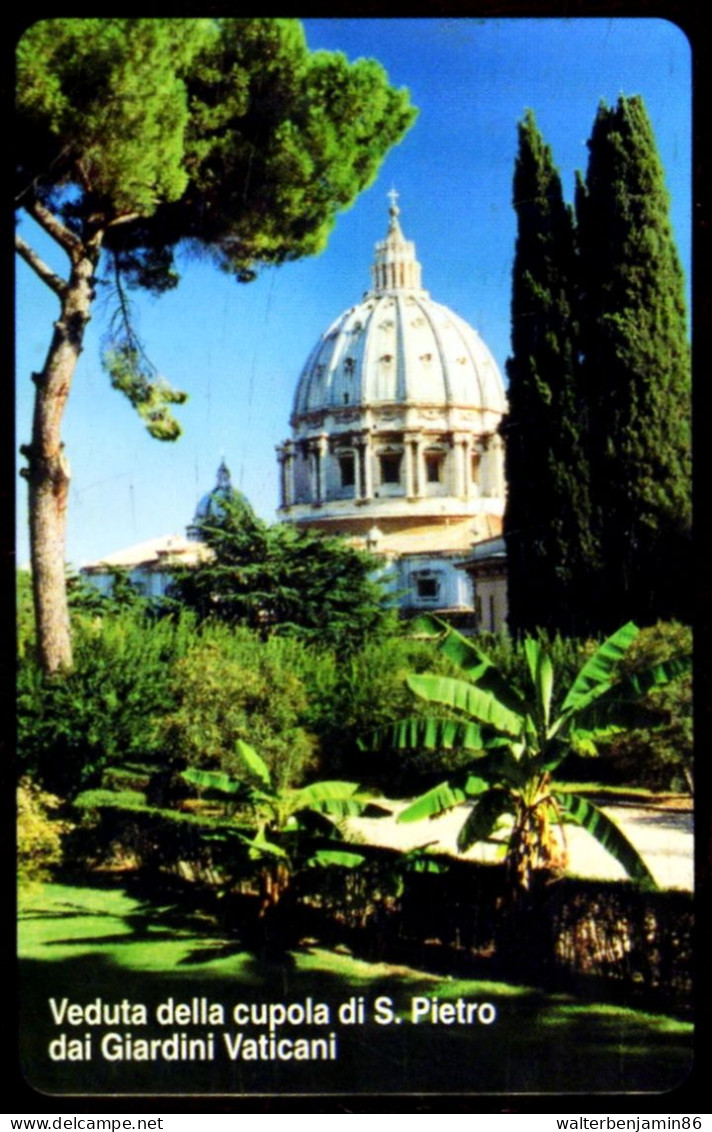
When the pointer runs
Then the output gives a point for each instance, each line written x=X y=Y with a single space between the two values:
x=395 y=439
x=149 y=566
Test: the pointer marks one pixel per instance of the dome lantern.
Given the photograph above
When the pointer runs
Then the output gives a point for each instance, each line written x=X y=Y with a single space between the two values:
x=395 y=266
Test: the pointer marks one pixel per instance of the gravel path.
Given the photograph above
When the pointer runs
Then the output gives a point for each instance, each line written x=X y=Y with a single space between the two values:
x=663 y=837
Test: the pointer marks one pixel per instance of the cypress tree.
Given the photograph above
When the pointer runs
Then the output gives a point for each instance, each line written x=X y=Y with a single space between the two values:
x=549 y=547
x=636 y=373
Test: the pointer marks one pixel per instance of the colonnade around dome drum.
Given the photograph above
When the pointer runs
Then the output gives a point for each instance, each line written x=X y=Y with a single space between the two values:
x=366 y=465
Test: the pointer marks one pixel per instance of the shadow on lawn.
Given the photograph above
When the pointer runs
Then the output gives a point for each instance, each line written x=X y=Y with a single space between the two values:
x=539 y=1042
x=208 y=928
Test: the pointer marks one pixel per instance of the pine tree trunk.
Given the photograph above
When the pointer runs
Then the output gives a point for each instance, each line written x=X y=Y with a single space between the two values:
x=48 y=470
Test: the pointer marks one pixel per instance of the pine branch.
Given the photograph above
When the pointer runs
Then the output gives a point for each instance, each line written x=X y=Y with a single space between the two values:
x=124 y=218
x=62 y=235
x=53 y=281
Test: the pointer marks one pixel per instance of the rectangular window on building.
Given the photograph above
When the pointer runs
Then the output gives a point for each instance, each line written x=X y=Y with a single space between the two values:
x=427 y=588
x=348 y=470
x=390 y=468
x=433 y=467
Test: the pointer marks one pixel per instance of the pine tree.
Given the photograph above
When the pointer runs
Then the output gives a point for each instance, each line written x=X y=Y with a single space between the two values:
x=636 y=373
x=281 y=579
x=138 y=136
x=549 y=547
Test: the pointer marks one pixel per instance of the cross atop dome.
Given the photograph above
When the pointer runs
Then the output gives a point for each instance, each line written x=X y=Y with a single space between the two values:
x=395 y=266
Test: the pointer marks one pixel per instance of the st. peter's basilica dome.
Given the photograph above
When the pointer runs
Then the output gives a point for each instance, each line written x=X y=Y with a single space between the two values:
x=394 y=430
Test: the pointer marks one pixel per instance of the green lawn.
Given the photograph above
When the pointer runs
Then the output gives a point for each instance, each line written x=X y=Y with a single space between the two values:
x=82 y=944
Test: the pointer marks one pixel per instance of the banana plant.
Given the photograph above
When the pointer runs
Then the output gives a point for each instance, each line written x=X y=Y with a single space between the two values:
x=516 y=743
x=288 y=828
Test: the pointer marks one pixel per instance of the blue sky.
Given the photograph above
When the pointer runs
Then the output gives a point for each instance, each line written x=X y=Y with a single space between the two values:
x=238 y=349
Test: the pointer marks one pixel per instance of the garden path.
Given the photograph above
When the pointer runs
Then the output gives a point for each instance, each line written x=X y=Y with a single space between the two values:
x=663 y=836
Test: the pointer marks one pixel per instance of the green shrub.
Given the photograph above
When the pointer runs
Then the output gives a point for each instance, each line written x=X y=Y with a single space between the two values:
x=233 y=685
x=366 y=690
x=121 y=828
x=39 y=835
x=24 y=615
x=85 y=600
x=659 y=756
x=71 y=725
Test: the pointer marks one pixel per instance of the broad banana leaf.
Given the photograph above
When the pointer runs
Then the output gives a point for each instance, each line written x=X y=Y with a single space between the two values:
x=254 y=762
x=444 y=797
x=339 y=799
x=260 y=846
x=607 y=833
x=478 y=667
x=532 y=651
x=483 y=817
x=542 y=673
x=615 y=707
x=470 y=700
x=340 y=857
x=640 y=683
x=605 y=717
x=595 y=677
x=215 y=780
x=433 y=734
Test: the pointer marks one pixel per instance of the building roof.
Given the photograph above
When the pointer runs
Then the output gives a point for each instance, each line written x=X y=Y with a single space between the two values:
x=486 y=555
x=167 y=550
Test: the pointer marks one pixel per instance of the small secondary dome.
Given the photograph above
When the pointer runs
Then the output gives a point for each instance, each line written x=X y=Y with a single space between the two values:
x=211 y=505
x=399 y=346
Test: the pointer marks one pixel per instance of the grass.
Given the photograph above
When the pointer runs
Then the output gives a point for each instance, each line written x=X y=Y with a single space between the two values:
x=84 y=943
